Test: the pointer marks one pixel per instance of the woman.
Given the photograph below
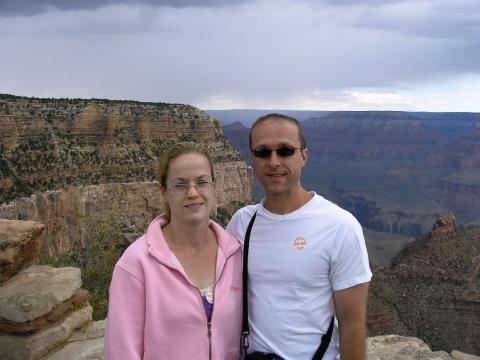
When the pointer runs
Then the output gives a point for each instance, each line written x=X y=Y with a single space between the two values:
x=176 y=291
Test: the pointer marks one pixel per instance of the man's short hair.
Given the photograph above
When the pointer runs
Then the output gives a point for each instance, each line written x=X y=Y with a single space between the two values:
x=276 y=116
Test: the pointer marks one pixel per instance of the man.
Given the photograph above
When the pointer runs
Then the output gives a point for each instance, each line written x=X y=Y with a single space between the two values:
x=307 y=258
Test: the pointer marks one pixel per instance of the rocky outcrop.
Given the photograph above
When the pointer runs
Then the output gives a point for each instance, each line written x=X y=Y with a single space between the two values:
x=84 y=344
x=28 y=296
x=40 y=343
x=446 y=226
x=70 y=214
x=40 y=307
x=432 y=290
x=20 y=244
x=78 y=299
x=48 y=144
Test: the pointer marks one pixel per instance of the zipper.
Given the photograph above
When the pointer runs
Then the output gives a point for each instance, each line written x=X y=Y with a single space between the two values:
x=209 y=323
x=209 y=327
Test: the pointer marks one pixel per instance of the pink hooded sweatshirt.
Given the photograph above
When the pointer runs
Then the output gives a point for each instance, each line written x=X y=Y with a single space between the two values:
x=155 y=312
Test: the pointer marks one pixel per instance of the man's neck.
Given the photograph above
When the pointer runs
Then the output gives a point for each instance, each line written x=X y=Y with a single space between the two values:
x=286 y=203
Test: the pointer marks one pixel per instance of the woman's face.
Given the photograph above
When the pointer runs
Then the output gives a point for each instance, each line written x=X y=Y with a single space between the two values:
x=189 y=190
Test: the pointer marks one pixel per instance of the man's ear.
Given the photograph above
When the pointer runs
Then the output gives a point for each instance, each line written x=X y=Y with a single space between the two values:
x=304 y=156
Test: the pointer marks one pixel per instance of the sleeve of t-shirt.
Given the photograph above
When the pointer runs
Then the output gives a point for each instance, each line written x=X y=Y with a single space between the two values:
x=237 y=225
x=349 y=258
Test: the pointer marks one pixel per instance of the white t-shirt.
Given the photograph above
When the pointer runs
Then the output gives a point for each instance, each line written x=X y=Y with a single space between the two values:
x=295 y=262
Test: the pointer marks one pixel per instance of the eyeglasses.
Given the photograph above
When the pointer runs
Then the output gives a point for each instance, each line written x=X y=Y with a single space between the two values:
x=182 y=188
x=283 y=151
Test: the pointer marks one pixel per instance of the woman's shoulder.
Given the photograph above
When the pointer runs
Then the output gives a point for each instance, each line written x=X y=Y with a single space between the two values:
x=136 y=253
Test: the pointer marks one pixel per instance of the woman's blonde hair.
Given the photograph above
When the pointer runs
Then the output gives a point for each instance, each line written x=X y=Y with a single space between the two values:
x=174 y=152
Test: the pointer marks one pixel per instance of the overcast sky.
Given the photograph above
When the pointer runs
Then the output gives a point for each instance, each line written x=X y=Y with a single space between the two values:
x=273 y=54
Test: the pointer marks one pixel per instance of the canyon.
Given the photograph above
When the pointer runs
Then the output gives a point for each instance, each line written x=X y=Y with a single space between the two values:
x=73 y=164
x=77 y=165
x=395 y=171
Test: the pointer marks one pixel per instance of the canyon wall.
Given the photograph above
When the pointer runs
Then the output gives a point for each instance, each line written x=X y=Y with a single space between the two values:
x=73 y=164
x=47 y=144
x=71 y=213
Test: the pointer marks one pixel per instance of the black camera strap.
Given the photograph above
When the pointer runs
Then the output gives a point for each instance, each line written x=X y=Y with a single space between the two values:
x=245 y=327
x=325 y=341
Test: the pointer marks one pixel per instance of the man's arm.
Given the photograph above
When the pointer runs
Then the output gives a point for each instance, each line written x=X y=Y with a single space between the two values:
x=351 y=309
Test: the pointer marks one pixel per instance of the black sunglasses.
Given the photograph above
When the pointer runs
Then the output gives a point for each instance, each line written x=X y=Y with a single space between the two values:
x=283 y=151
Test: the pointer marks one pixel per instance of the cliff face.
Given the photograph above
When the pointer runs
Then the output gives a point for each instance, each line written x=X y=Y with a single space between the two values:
x=47 y=144
x=65 y=161
x=432 y=290
x=370 y=136
x=463 y=153
x=70 y=214
x=461 y=160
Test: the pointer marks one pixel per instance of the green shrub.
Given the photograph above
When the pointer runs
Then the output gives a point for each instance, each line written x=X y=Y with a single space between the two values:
x=96 y=261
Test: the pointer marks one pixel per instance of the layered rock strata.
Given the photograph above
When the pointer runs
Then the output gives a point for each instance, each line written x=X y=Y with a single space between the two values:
x=40 y=306
x=64 y=161
x=47 y=144
x=70 y=214
x=20 y=243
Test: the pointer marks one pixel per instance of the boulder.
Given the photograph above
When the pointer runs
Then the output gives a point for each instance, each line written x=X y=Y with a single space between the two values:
x=58 y=313
x=20 y=243
x=394 y=347
x=94 y=330
x=80 y=350
x=35 y=291
x=85 y=344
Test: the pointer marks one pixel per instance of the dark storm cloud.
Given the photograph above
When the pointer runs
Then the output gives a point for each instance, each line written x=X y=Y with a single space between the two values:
x=245 y=52
x=34 y=7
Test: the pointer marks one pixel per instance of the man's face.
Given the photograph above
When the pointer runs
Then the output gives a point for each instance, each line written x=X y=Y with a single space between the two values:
x=280 y=175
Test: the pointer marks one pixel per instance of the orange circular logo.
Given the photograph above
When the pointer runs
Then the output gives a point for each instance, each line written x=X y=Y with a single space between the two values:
x=300 y=243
